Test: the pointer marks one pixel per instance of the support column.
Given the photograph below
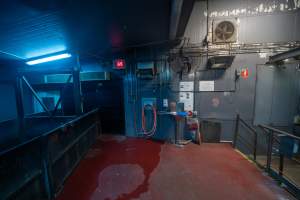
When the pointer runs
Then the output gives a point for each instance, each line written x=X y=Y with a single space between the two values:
x=19 y=105
x=77 y=87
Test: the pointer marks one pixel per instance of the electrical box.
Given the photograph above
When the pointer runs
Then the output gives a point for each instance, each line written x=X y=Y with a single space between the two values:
x=148 y=101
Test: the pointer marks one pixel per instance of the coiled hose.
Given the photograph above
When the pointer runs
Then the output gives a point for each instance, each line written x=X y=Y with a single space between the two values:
x=153 y=129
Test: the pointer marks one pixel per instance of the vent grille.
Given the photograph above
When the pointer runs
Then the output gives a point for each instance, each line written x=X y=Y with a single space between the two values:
x=224 y=32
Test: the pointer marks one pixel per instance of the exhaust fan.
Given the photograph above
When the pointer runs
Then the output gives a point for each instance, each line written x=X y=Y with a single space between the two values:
x=224 y=32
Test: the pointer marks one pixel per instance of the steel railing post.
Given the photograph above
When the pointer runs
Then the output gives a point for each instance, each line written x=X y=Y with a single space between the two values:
x=281 y=163
x=269 y=153
x=236 y=130
x=255 y=146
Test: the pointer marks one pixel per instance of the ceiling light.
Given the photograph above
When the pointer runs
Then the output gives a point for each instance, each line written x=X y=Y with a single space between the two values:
x=49 y=59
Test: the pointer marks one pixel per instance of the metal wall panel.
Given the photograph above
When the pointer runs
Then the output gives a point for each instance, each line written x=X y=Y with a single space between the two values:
x=258 y=21
x=277 y=95
x=252 y=28
x=7 y=102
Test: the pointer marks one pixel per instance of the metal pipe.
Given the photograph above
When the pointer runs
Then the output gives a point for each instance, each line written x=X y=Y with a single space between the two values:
x=207 y=29
x=293 y=53
x=279 y=131
x=36 y=96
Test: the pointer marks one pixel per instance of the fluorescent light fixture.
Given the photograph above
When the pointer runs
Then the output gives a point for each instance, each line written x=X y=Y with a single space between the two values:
x=49 y=59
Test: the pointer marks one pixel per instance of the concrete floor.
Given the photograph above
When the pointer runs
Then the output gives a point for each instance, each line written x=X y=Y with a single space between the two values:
x=120 y=168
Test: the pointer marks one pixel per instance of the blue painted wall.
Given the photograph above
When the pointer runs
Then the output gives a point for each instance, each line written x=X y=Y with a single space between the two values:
x=7 y=103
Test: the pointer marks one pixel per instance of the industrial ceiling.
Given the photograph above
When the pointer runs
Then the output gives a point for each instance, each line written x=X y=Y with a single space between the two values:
x=32 y=28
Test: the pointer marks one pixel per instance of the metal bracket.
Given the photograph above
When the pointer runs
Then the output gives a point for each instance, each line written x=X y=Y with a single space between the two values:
x=36 y=95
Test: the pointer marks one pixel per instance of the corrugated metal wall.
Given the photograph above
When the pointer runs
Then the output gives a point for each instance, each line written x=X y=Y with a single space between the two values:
x=258 y=22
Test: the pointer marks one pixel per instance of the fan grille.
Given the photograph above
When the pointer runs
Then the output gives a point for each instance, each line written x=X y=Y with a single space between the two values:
x=224 y=30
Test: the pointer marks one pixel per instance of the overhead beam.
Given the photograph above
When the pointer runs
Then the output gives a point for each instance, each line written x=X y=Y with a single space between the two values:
x=176 y=8
x=293 y=53
x=180 y=14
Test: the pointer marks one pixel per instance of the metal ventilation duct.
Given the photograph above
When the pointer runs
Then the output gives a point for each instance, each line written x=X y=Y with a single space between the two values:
x=279 y=58
x=220 y=62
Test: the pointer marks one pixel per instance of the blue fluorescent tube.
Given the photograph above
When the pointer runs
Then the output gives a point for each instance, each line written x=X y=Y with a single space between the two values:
x=49 y=59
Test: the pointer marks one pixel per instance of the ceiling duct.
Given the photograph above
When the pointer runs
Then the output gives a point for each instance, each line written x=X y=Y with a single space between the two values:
x=220 y=62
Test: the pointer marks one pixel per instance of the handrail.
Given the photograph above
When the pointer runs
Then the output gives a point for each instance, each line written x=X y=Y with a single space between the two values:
x=252 y=130
x=70 y=123
x=248 y=126
x=273 y=135
x=284 y=133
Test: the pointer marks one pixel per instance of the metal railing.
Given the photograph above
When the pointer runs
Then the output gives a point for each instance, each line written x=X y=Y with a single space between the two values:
x=285 y=152
x=250 y=129
x=38 y=168
x=272 y=150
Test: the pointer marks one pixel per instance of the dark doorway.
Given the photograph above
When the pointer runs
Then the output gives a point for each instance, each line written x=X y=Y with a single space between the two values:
x=108 y=97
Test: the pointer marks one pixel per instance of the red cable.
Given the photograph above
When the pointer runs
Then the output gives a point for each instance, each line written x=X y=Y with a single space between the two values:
x=152 y=131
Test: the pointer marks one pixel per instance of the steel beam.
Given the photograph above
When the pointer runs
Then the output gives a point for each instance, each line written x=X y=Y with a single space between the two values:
x=59 y=100
x=180 y=14
x=77 y=88
x=39 y=73
x=175 y=18
x=293 y=53
x=19 y=103
x=36 y=96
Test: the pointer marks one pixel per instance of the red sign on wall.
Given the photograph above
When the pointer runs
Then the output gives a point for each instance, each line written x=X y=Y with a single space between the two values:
x=119 y=64
x=245 y=73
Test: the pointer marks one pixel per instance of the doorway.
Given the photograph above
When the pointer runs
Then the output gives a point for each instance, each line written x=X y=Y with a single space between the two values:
x=107 y=95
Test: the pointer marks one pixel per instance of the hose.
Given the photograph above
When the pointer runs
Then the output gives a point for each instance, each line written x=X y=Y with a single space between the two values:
x=153 y=129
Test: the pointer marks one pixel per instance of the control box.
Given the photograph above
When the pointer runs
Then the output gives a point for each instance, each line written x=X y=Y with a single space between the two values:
x=148 y=101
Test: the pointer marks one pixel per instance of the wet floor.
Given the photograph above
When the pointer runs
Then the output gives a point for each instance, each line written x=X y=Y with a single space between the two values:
x=121 y=168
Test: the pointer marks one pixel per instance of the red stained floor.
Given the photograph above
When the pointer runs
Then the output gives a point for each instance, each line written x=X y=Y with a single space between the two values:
x=120 y=168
